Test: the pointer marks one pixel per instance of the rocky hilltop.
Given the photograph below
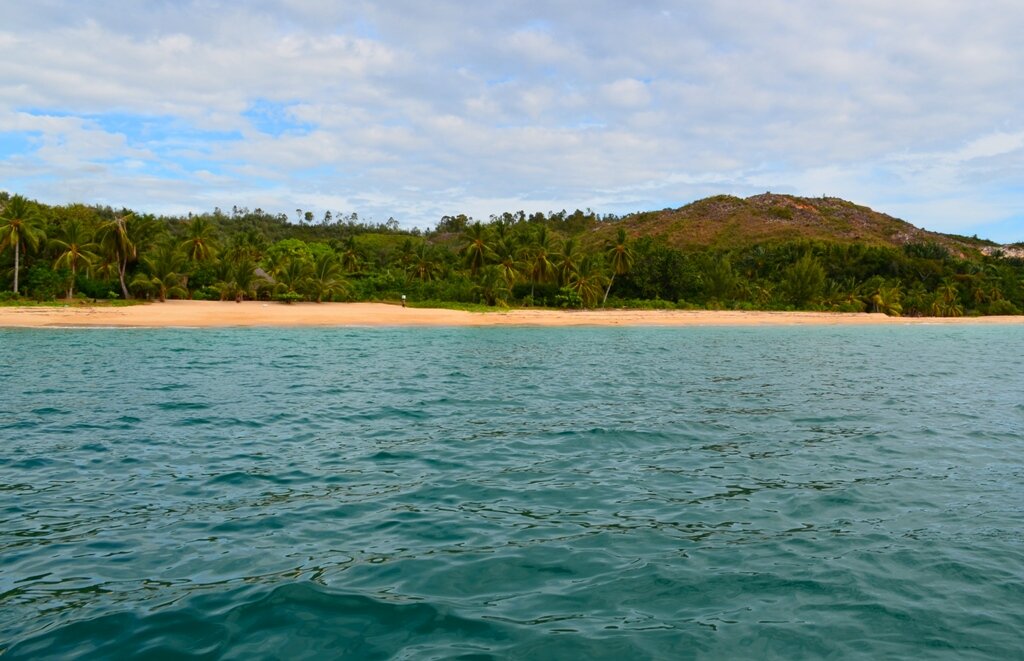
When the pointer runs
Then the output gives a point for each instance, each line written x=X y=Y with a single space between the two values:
x=725 y=221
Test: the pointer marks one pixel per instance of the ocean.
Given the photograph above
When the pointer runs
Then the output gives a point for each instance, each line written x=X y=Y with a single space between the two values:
x=426 y=493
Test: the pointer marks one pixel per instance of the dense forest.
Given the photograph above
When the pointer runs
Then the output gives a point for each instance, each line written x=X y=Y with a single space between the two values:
x=576 y=260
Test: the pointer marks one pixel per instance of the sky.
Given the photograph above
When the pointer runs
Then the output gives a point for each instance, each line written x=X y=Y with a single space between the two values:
x=414 y=110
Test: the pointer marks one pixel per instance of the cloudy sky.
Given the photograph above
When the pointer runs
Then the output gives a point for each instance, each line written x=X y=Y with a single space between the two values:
x=417 y=109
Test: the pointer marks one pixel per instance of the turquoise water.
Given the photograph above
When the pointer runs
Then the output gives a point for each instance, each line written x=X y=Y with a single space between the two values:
x=478 y=493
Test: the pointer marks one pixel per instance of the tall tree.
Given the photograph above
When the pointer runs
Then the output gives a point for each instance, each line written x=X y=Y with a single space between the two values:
x=200 y=242
x=162 y=274
x=588 y=280
x=119 y=246
x=476 y=249
x=351 y=257
x=507 y=259
x=492 y=288
x=424 y=262
x=539 y=252
x=620 y=258
x=75 y=248
x=567 y=262
x=20 y=228
x=325 y=278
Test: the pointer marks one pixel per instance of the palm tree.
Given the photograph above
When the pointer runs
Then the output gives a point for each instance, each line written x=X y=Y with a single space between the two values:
x=424 y=263
x=292 y=274
x=620 y=257
x=350 y=255
x=476 y=250
x=117 y=242
x=76 y=248
x=20 y=228
x=506 y=257
x=162 y=272
x=887 y=299
x=492 y=287
x=199 y=244
x=588 y=280
x=538 y=254
x=948 y=300
x=240 y=279
x=841 y=296
x=325 y=277
x=567 y=262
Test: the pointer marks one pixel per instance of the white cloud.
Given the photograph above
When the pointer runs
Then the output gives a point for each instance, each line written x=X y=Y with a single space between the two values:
x=412 y=108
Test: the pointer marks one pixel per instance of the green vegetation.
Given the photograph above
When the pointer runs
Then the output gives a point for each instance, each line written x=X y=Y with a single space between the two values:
x=769 y=252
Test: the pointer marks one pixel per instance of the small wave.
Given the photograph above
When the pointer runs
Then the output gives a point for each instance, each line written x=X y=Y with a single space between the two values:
x=295 y=620
x=181 y=406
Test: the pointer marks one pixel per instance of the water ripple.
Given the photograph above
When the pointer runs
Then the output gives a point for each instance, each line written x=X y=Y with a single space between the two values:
x=497 y=493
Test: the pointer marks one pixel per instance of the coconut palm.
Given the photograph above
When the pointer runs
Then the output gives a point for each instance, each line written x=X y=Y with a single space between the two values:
x=841 y=296
x=491 y=287
x=424 y=263
x=75 y=249
x=200 y=244
x=620 y=258
x=162 y=273
x=567 y=262
x=886 y=299
x=20 y=229
x=947 y=302
x=351 y=258
x=476 y=249
x=588 y=280
x=325 y=277
x=506 y=257
x=292 y=274
x=538 y=254
x=118 y=244
x=240 y=280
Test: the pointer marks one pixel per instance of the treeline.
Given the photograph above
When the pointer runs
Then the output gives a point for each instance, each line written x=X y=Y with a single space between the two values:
x=578 y=259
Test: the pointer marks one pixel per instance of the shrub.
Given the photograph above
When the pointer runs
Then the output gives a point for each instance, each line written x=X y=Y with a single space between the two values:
x=289 y=297
x=568 y=298
x=1002 y=306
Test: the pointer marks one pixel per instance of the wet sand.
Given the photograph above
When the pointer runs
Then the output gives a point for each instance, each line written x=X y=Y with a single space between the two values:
x=203 y=314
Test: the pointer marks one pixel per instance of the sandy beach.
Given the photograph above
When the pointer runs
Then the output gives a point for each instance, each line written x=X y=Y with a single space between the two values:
x=203 y=314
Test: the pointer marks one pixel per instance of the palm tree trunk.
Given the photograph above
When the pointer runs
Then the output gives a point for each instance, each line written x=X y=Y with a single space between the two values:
x=120 y=272
x=607 y=291
x=16 y=265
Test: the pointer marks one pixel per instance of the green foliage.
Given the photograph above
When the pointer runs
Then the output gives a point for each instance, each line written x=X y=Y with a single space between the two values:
x=288 y=297
x=568 y=298
x=803 y=281
x=43 y=283
x=926 y=250
x=560 y=258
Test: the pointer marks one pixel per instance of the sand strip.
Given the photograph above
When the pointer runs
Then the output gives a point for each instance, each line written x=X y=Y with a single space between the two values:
x=204 y=314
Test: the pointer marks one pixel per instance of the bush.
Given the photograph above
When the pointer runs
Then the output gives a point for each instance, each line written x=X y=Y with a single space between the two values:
x=93 y=288
x=206 y=294
x=289 y=297
x=43 y=283
x=568 y=298
x=1002 y=306
x=544 y=293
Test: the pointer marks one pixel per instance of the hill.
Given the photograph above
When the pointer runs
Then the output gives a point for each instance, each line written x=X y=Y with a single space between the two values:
x=726 y=222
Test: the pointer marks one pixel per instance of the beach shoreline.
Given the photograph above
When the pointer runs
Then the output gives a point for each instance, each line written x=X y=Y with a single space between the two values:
x=217 y=314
